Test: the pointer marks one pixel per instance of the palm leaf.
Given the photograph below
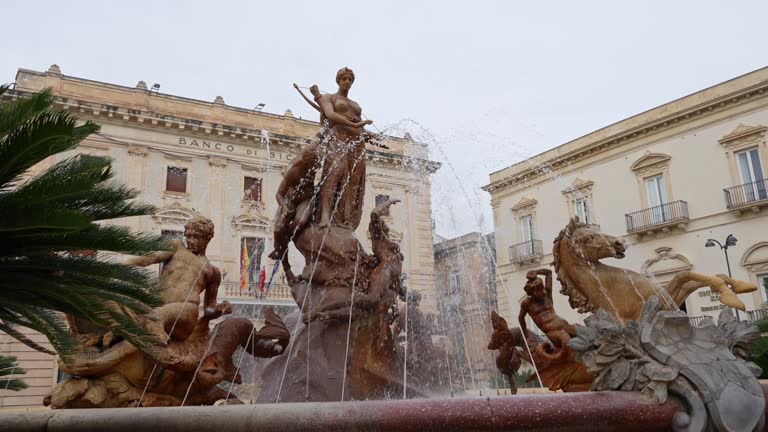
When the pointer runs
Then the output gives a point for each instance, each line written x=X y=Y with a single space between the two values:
x=44 y=135
x=9 y=366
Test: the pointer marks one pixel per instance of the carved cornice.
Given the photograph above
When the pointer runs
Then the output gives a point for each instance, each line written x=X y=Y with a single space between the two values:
x=135 y=150
x=665 y=253
x=251 y=222
x=752 y=261
x=579 y=187
x=524 y=205
x=217 y=162
x=649 y=162
x=174 y=214
x=601 y=145
x=744 y=134
x=257 y=137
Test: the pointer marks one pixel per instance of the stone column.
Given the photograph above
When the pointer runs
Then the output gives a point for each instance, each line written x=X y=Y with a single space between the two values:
x=216 y=208
x=136 y=178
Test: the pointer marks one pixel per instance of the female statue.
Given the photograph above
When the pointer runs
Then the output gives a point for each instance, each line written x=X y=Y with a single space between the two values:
x=341 y=193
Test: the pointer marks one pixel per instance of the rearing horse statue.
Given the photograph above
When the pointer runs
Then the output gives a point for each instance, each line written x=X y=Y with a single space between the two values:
x=590 y=284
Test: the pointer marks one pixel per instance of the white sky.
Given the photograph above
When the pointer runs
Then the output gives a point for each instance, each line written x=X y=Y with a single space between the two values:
x=489 y=82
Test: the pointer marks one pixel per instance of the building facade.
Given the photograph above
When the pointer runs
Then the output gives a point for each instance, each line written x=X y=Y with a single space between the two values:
x=666 y=180
x=190 y=157
x=465 y=277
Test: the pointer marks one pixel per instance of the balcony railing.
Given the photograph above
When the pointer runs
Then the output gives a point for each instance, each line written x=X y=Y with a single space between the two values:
x=530 y=250
x=757 y=315
x=700 y=320
x=277 y=292
x=747 y=195
x=661 y=216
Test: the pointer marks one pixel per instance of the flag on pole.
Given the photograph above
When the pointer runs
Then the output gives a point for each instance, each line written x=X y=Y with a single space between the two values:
x=274 y=272
x=262 y=278
x=244 y=264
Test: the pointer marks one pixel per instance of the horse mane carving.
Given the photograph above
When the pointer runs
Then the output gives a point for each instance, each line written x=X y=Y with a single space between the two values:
x=591 y=285
x=576 y=299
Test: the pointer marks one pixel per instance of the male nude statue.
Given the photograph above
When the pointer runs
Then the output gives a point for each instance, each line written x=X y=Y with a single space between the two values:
x=186 y=274
x=539 y=305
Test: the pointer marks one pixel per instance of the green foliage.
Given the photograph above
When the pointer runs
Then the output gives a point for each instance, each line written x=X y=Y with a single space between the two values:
x=8 y=367
x=48 y=221
x=758 y=352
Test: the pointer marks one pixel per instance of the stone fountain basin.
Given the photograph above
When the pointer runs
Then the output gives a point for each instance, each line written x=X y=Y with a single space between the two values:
x=593 y=411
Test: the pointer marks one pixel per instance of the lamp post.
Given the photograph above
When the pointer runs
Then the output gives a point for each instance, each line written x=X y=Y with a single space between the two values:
x=729 y=241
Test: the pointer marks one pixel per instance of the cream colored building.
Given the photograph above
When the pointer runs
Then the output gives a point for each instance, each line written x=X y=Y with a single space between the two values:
x=464 y=272
x=667 y=180
x=191 y=157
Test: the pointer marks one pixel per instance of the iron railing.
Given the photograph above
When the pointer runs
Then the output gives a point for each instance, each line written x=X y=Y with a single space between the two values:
x=527 y=250
x=757 y=314
x=699 y=320
x=661 y=215
x=746 y=194
x=278 y=291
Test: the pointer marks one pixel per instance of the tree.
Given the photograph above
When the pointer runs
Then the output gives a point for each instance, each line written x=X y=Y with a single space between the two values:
x=49 y=223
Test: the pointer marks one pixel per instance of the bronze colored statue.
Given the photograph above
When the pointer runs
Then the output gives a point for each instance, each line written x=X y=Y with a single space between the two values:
x=507 y=341
x=538 y=304
x=188 y=361
x=341 y=193
x=591 y=284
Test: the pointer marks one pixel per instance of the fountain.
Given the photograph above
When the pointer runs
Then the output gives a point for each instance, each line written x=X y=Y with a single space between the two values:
x=339 y=363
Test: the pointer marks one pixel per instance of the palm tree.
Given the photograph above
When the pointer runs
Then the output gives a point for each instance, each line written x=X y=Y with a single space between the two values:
x=9 y=366
x=50 y=223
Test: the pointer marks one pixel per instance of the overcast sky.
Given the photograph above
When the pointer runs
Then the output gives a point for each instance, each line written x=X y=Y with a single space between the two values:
x=485 y=83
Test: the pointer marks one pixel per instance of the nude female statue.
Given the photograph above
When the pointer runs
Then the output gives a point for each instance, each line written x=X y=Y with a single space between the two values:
x=341 y=193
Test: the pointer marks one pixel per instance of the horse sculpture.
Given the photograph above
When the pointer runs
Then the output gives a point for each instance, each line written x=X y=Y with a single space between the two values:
x=591 y=285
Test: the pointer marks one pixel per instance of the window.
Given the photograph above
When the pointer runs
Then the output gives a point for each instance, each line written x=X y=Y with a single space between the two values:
x=657 y=197
x=172 y=234
x=751 y=174
x=455 y=281
x=176 y=179
x=762 y=282
x=526 y=225
x=381 y=199
x=581 y=208
x=251 y=249
x=252 y=189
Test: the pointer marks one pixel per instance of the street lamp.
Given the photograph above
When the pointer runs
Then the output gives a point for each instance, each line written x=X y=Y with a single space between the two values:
x=729 y=241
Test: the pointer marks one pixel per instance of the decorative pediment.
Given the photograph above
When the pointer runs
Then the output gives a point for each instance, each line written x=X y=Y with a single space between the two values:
x=650 y=161
x=525 y=204
x=666 y=263
x=251 y=222
x=175 y=214
x=579 y=186
x=755 y=259
x=744 y=134
x=394 y=235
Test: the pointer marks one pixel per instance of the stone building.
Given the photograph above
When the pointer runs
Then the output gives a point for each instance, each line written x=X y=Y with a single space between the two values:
x=191 y=157
x=667 y=180
x=465 y=283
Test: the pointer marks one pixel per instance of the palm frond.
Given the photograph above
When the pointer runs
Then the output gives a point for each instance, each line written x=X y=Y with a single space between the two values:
x=9 y=366
x=19 y=336
x=13 y=115
x=44 y=135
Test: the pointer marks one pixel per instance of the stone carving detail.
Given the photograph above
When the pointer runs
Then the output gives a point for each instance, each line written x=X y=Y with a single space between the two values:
x=665 y=254
x=661 y=354
x=186 y=361
x=590 y=284
x=175 y=214
x=140 y=151
x=217 y=162
x=744 y=134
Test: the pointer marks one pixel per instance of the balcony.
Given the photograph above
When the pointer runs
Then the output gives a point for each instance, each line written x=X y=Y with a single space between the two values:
x=279 y=294
x=659 y=218
x=747 y=196
x=529 y=251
